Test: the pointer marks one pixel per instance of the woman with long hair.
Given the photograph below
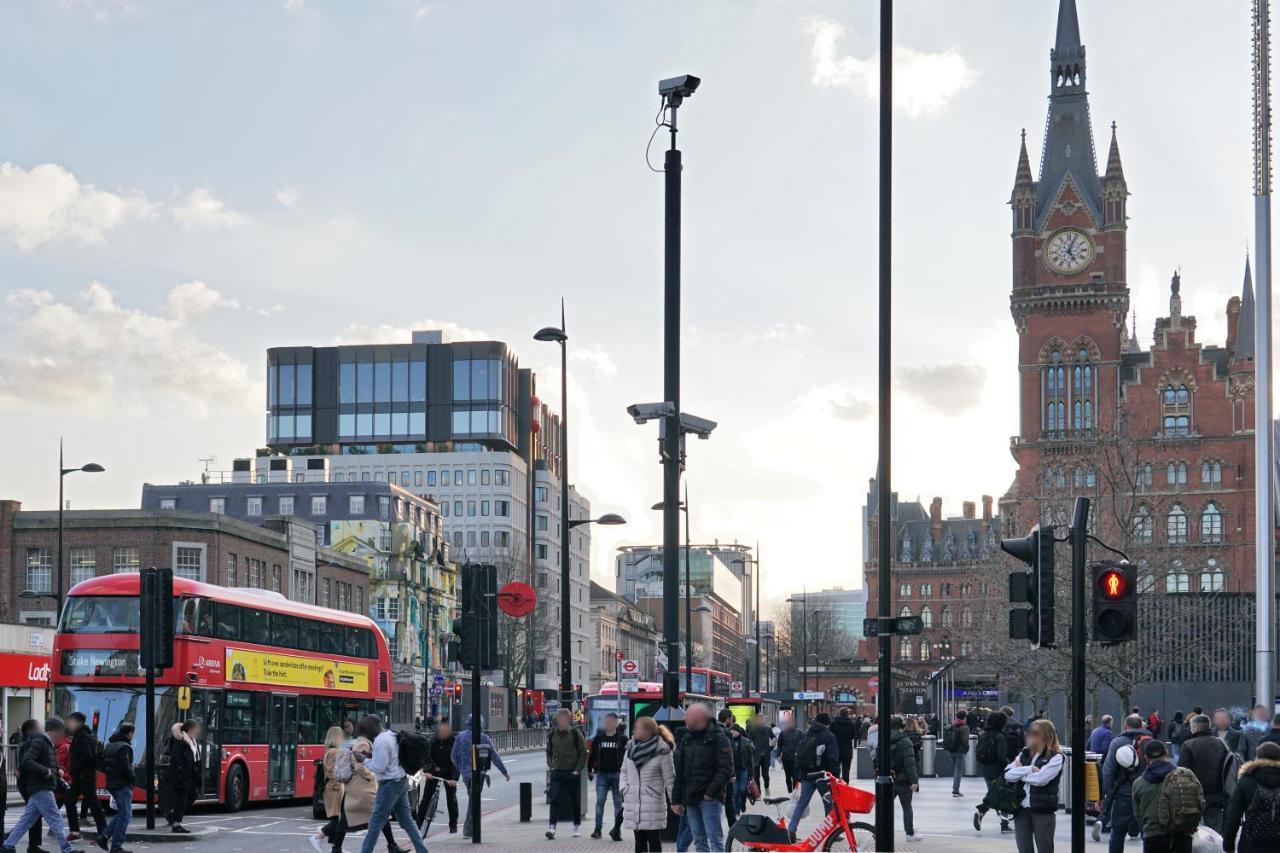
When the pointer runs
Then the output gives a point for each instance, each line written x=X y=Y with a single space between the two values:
x=1039 y=768
x=648 y=774
x=182 y=777
x=334 y=741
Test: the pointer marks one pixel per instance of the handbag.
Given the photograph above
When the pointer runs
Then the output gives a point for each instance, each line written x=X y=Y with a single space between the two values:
x=753 y=790
x=1206 y=841
x=1005 y=797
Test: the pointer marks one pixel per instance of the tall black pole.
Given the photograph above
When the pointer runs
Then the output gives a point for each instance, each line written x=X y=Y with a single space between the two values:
x=566 y=576
x=1079 y=544
x=804 y=641
x=477 y=614
x=57 y=580
x=671 y=436
x=755 y=578
x=688 y=593
x=884 y=782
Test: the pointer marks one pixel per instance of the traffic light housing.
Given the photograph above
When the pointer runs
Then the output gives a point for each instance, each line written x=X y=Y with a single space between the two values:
x=1034 y=587
x=478 y=628
x=1115 y=602
x=155 y=601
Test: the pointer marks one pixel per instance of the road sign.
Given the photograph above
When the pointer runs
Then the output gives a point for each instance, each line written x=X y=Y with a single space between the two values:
x=736 y=687
x=439 y=679
x=873 y=684
x=629 y=668
x=629 y=685
x=517 y=599
x=919 y=700
x=812 y=695
x=618 y=656
x=662 y=660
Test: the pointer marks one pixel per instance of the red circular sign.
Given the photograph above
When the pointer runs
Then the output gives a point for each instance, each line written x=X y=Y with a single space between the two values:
x=873 y=684
x=630 y=667
x=517 y=599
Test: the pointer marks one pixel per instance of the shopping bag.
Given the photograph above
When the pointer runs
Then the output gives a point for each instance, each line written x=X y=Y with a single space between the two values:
x=1206 y=841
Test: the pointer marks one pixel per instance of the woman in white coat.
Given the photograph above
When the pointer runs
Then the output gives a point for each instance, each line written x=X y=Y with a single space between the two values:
x=648 y=772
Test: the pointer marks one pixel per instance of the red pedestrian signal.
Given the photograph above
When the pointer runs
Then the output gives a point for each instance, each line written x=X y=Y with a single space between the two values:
x=1113 y=584
x=1115 y=602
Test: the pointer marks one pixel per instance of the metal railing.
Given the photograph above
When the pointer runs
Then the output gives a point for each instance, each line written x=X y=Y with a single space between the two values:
x=511 y=740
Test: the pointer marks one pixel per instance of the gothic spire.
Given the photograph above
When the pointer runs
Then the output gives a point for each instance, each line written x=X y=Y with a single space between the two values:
x=1068 y=41
x=1024 y=178
x=1244 y=321
x=1114 y=170
x=1068 y=141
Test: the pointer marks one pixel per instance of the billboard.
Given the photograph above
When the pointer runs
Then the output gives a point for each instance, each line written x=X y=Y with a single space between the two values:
x=295 y=671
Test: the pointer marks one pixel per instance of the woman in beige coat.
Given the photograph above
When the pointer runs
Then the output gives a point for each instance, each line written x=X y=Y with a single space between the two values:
x=357 y=801
x=334 y=740
x=648 y=773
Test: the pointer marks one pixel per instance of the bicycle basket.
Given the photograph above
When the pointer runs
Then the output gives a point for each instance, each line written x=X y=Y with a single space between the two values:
x=853 y=799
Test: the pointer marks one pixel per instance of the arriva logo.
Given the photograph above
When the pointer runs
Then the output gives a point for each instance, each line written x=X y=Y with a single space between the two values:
x=38 y=672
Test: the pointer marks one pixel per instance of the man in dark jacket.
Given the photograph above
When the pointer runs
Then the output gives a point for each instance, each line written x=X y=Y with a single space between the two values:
x=1258 y=778
x=117 y=760
x=845 y=731
x=604 y=765
x=1147 y=793
x=566 y=758
x=83 y=763
x=1206 y=756
x=1117 y=783
x=762 y=740
x=704 y=769
x=818 y=751
x=993 y=755
x=788 y=745
x=443 y=772
x=39 y=777
x=906 y=777
x=956 y=742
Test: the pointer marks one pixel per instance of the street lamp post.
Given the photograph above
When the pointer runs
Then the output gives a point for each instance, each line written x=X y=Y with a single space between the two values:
x=803 y=598
x=63 y=471
x=688 y=587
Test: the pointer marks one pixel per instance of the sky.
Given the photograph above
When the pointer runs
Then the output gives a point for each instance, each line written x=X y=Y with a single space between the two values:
x=183 y=185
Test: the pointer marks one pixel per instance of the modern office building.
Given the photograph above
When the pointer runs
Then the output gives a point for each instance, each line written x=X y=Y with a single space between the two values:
x=397 y=535
x=459 y=424
x=846 y=608
x=638 y=565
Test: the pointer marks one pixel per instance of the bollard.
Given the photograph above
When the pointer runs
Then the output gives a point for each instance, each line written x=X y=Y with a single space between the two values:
x=971 y=757
x=1064 y=785
x=864 y=760
x=928 y=756
x=526 y=802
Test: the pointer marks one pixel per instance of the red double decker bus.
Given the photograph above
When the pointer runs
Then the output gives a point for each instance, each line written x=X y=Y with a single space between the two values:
x=267 y=677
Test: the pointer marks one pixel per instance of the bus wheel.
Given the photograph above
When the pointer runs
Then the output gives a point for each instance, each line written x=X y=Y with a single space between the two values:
x=237 y=788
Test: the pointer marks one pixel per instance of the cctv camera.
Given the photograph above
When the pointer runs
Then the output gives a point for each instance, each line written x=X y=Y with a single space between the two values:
x=678 y=88
x=642 y=413
x=701 y=427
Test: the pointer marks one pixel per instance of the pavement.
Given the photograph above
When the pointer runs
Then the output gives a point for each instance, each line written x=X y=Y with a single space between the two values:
x=944 y=823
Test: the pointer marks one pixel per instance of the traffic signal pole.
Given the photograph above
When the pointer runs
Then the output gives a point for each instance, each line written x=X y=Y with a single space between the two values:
x=1079 y=535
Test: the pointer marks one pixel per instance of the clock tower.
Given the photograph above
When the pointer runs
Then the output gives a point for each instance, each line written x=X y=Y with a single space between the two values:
x=1070 y=294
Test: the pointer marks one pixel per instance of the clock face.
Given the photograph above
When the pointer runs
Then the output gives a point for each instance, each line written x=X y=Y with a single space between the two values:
x=1068 y=251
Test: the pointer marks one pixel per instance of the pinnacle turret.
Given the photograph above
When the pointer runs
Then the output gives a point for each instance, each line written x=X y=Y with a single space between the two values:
x=1245 y=321
x=1115 y=172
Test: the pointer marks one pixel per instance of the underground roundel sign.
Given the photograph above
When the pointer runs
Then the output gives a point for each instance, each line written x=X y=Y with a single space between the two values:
x=517 y=599
x=630 y=668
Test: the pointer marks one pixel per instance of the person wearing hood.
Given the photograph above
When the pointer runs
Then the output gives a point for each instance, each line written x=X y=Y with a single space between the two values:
x=993 y=755
x=788 y=746
x=818 y=752
x=1254 y=802
x=182 y=776
x=845 y=731
x=1157 y=837
x=38 y=778
x=903 y=768
x=461 y=757
x=648 y=780
x=1253 y=731
x=1039 y=768
x=117 y=760
x=1205 y=755
x=1176 y=734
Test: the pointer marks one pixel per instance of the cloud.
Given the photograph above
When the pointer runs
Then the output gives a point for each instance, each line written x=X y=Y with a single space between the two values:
x=48 y=204
x=923 y=82
x=202 y=209
x=94 y=355
x=294 y=5
x=594 y=357
x=385 y=333
x=949 y=389
x=287 y=197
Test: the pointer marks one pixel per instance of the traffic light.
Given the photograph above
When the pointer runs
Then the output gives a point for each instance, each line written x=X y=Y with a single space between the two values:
x=1034 y=587
x=478 y=627
x=155 y=600
x=1115 y=602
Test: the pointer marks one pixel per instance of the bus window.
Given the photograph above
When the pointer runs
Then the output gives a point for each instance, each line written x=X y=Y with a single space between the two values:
x=355 y=642
x=101 y=614
x=309 y=635
x=186 y=615
x=330 y=638
x=227 y=622
x=284 y=631
x=256 y=627
x=204 y=619
x=237 y=717
x=306 y=722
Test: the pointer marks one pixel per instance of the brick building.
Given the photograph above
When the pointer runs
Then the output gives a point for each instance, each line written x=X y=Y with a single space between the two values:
x=207 y=547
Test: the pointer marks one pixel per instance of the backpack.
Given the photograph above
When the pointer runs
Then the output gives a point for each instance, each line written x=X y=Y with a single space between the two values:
x=1139 y=744
x=1262 y=817
x=1230 y=771
x=986 y=751
x=949 y=739
x=807 y=759
x=344 y=766
x=99 y=756
x=415 y=750
x=1181 y=802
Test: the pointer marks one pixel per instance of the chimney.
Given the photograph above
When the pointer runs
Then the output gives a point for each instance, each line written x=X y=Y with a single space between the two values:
x=242 y=470
x=970 y=510
x=1233 y=320
x=935 y=511
x=986 y=508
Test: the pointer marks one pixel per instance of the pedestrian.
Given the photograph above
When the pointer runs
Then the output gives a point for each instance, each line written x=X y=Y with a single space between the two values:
x=744 y=759
x=1272 y=735
x=38 y=778
x=393 y=785
x=973 y=720
x=566 y=758
x=359 y=793
x=1255 y=802
x=845 y=731
x=1154 y=723
x=903 y=769
x=441 y=772
x=1014 y=732
x=37 y=828
x=334 y=741
x=460 y=755
x=763 y=741
x=914 y=730
x=955 y=741
x=933 y=725
x=1118 y=773
x=117 y=765
x=1167 y=801
x=648 y=780
x=1252 y=732
x=82 y=761
x=1224 y=731
x=818 y=752
x=1100 y=738
x=604 y=767
x=349 y=729
x=992 y=752
x=182 y=776
x=704 y=770
x=788 y=745
x=1208 y=758
x=1175 y=735
x=1039 y=767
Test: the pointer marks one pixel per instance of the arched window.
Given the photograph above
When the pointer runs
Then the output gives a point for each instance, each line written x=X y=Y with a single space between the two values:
x=944 y=617
x=904 y=590
x=1085 y=477
x=966 y=590
x=926 y=650
x=1211 y=524
x=1212 y=578
x=1177 y=525
x=1142 y=526
x=944 y=648
x=926 y=590
x=905 y=611
x=1055 y=394
x=904 y=648
x=1175 y=404
x=966 y=648
x=1144 y=479
x=966 y=617
x=1177 y=473
x=1177 y=580
x=926 y=616
x=1211 y=473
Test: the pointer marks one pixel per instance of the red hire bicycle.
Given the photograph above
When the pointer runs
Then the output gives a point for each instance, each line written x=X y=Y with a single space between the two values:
x=756 y=832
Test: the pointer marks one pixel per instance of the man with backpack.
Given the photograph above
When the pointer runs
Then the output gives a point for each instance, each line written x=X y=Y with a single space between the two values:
x=906 y=778
x=1168 y=802
x=83 y=767
x=1117 y=781
x=955 y=740
x=992 y=752
x=818 y=750
x=388 y=767
x=1256 y=801
x=566 y=759
x=1214 y=764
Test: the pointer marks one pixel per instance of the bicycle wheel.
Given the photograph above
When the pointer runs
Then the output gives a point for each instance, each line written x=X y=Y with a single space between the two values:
x=863 y=841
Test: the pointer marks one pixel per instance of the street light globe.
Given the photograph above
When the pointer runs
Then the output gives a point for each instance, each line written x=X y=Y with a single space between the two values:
x=611 y=519
x=92 y=468
x=551 y=333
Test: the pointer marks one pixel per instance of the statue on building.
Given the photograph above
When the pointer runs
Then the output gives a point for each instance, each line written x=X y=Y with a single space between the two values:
x=906 y=548
x=949 y=547
x=926 y=550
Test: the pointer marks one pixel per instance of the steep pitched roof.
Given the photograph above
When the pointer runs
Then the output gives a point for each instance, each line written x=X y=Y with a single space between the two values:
x=1245 y=321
